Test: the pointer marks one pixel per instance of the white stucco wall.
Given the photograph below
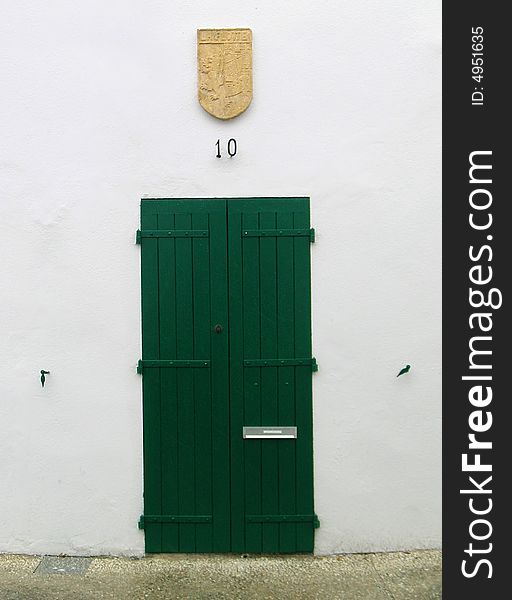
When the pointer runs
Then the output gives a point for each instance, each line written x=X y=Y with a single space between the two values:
x=98 y=110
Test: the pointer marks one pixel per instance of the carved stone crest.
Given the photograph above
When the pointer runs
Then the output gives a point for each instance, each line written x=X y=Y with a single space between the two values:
x=224 y=61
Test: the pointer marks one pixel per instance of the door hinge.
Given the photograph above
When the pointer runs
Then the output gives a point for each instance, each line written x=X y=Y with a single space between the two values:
x=266 y=233
x=169 y=233
x=169 y=364
x=282 y=362
x=145 y=519
x=284 y=519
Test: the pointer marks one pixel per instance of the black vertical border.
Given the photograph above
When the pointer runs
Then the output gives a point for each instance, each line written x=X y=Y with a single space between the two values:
x=468 y=128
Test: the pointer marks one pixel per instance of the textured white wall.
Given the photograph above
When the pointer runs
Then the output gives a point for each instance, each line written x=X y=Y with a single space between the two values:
x=99 y=109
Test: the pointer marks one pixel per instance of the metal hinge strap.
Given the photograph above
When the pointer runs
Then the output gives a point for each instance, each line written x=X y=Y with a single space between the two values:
x=282 y=362
x=310 y=233
x=144 y=519
x=169 y=233
x=196 y=364
x=284 y=519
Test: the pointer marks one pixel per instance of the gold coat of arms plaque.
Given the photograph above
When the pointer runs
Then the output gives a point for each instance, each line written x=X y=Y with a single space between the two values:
x=224 y=61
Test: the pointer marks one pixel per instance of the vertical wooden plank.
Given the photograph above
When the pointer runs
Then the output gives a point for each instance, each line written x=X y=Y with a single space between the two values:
x=169 y=432
x=252 y=380
x=220 y=377
x=269 y=387
x=236 y=337
x=185 y=383
x=203 y=409
x=151 y=383
x=303 y=392
x=286 y=380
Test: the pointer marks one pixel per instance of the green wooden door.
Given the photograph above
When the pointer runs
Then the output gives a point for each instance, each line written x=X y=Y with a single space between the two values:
x=226 y=339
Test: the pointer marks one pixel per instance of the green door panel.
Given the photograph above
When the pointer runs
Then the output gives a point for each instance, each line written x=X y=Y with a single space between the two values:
x=242 y=264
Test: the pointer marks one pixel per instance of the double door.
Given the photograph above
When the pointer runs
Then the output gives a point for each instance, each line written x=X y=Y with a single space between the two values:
x=227 y=367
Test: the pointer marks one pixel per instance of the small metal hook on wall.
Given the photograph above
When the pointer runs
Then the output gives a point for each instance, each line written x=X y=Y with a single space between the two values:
x=43 y=376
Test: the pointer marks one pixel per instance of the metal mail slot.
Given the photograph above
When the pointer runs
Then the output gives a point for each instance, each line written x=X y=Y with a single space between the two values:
x=270 y=432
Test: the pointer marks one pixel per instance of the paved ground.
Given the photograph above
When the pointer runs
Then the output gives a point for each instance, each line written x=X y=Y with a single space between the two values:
x=393 y=576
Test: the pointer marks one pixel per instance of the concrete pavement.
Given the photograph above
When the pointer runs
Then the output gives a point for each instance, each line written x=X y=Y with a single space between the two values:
x=389 y=576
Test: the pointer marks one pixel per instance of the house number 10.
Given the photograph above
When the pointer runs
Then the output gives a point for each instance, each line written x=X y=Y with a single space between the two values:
x=232 y=147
